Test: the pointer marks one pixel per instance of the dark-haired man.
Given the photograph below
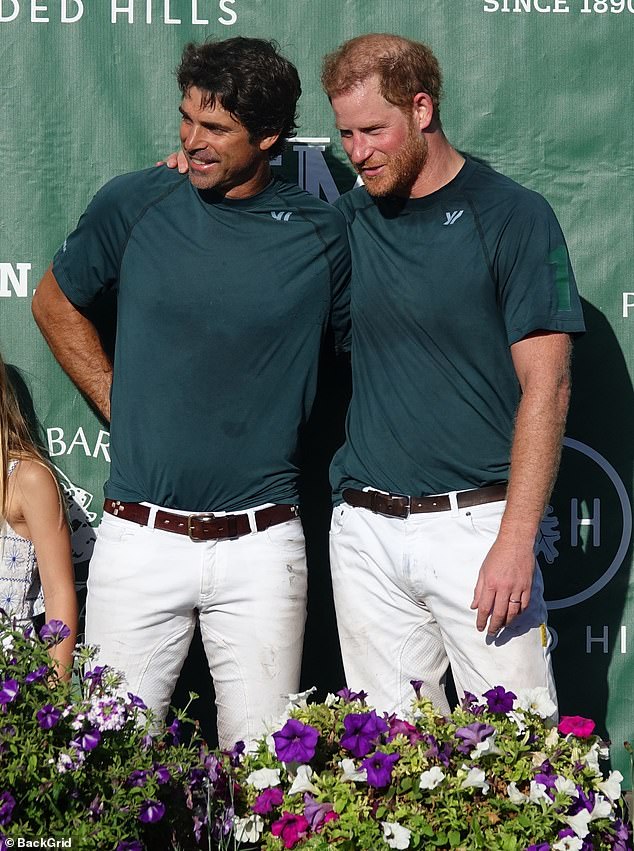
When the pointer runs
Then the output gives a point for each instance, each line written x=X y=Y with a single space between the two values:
x=463 y=300
x=219 y=326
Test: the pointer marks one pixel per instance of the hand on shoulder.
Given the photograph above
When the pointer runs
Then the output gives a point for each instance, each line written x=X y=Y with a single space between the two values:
x=178 y=160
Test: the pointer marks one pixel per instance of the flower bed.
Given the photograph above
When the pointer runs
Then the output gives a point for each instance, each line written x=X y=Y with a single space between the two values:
x=79 y=761
x=494 y=775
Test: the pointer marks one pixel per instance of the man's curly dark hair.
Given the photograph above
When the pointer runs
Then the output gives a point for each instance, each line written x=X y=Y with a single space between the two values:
x=250 y=79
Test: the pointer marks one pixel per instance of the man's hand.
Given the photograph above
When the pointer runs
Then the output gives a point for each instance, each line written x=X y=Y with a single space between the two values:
x=503 y=589
x=176 y=160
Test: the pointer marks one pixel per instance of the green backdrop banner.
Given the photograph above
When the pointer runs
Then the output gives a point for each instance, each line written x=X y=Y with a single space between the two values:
x=541 y=89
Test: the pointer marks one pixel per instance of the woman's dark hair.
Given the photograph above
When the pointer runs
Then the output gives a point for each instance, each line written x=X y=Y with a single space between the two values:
x=250 y=79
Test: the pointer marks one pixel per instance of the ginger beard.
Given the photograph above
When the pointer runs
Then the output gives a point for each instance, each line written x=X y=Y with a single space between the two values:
x=400 y=170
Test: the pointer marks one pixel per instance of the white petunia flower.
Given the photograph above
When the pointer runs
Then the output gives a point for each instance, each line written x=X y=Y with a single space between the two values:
x=248 y=829
x=552 y=738
x=568 y=787
x=302 y=781
x=515 y=795
x=486 y=747
x=579 y=822
x=568 y=843
x=518 y=720
x=538 y=792
x=350 y=772
x=7 y=642
x=537 y=758
x=264 y=778
x=476 y=778
x=299 y=700
x=536 y=700
x=432 y=778
x=611 y=787
x=330 y=699
x=592 y=757
x=395 y=834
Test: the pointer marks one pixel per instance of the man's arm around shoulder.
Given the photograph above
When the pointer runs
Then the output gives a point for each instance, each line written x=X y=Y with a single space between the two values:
x=74 y=341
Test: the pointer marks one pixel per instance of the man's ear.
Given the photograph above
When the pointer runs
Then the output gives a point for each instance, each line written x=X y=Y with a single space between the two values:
x=423 y=110
x=267 y=142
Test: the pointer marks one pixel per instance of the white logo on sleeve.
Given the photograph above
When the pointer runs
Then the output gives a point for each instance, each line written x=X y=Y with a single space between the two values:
x=453 y=217
x=281 y=217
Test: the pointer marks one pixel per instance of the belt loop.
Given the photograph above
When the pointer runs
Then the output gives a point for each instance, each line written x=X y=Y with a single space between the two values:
x=151 y=519
x=453 y=502
x=253 y=525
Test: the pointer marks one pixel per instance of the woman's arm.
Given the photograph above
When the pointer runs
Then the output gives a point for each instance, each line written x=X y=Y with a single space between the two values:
x=38 y=500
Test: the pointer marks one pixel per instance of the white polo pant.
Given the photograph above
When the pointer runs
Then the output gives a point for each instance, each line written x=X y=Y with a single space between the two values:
x=403 y=590
x=146 y=587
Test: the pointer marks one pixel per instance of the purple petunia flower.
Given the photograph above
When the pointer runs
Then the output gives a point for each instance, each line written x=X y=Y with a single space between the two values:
x=543 y=846
x=196 y=777
x=470 y=704
x=48 y=716
x=235 y=754
x=174 y=730
x=223 y=825
x=88 y=740
x=138 y=777
x=350 y=696
x=442 y=754
x=472 y=735
x=266 y=800
x=318 y=815
x=547 y=776
x=54 y=632
x=9 y=690
x=621 y=841
x=35 y=676
x=417 y=686
x=130 y=845
x=584 y=801
x=151 y=811
x=499 y=700
x=212 y=767
x=362 y=731
x=7 y=803
x=135 y=701
x=95 y=675
x=162 y=774
x=296 y=742
x=379 y=768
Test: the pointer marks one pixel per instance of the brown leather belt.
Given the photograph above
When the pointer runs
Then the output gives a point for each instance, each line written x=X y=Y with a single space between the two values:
x=399 y=505
x=202 y=527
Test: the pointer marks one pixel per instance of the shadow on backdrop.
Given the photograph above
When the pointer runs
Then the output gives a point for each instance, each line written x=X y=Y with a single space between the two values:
x=587 y=561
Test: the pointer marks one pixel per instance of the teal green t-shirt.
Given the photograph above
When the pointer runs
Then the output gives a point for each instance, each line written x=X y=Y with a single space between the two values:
x=222 y=307
x=442 y=286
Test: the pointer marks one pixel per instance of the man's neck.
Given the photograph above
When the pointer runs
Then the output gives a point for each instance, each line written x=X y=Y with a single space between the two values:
x=442 y=165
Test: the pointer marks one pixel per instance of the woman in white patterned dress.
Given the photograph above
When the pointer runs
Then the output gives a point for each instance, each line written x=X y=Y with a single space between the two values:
x=36 y=569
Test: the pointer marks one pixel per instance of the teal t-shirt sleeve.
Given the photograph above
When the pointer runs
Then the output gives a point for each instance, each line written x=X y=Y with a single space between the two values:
x=536 y=284
x=341 y=274
x=87 y=264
